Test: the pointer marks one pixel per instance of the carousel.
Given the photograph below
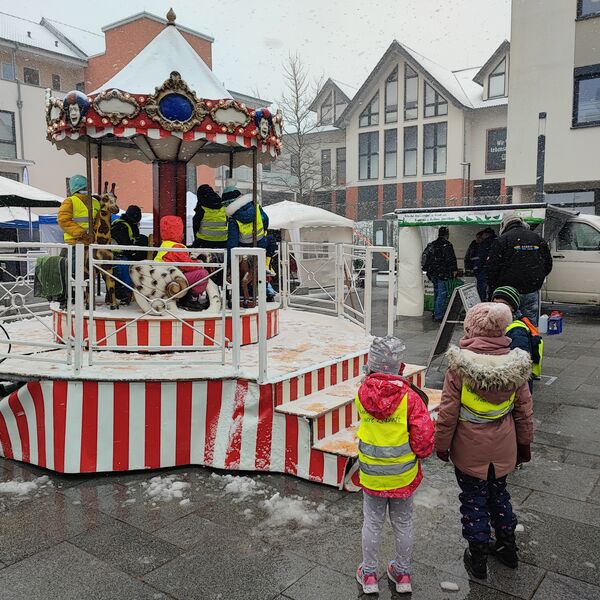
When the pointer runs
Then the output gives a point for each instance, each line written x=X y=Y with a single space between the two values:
x=151 y=385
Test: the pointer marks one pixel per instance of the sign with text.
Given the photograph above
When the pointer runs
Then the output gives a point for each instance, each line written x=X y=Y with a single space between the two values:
x=495 y=157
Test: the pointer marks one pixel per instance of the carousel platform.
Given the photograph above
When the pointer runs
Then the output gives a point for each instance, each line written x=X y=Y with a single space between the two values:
x=130 y=411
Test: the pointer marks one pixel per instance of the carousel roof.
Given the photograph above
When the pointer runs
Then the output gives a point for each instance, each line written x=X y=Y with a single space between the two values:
x=169 y=49
x=165 y=105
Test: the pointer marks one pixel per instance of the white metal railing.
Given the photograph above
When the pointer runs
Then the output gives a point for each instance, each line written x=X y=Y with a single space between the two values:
x=335 y=279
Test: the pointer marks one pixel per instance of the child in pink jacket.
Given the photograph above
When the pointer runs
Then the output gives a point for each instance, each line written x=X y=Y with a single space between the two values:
x=395 y=431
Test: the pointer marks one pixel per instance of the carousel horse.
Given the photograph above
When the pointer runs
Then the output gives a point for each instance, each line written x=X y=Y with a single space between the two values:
x=108 y=207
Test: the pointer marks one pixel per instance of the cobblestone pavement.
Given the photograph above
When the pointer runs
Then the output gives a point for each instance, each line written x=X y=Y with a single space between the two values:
x=198 y=534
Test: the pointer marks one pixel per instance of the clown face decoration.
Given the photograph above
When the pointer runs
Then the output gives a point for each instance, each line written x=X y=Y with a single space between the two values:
x=75 y=106
x=263 y=122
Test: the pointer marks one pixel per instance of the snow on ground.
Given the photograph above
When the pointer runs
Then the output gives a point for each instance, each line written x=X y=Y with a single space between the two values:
x=449 y=586
x=429 y=497
x=519 y=528
x=165 y=489
x=24 y=488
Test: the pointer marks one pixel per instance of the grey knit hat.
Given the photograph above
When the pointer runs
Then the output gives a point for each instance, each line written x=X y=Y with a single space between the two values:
x=385 y=355
x=509 y=219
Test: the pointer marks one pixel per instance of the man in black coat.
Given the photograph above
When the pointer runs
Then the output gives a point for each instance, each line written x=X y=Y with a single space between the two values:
x=209 y=221
x=439 y=262
x=520 y=258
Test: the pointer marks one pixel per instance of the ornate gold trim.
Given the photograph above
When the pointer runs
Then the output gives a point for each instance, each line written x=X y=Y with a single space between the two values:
x=116 y=117
x=53 y=102
x=230 y=125
x=175 y=85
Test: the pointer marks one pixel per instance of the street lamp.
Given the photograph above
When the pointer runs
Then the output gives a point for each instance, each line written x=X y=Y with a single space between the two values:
x=468 y=165
x=541 y=158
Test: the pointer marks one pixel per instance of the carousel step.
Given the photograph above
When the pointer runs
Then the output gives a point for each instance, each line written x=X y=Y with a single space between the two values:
x=342 y=443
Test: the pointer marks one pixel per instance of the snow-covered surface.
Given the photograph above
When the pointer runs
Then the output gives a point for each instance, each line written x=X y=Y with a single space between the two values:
x=23 y=488
x=305 y=341
x=344 y=442
x=519 y=528
x=9 y=187
x=168 y=51
x=449 y=586
x=88 y=42
x=295 y=215
x=165 y=489
x=474 y=91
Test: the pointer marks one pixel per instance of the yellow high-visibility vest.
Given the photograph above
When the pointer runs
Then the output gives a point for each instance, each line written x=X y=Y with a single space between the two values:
x=475 y=409
x=385 y=457
x=161 y=253
x=81 y=214
x=246 y=230
x=213 y=227
x=536 y=367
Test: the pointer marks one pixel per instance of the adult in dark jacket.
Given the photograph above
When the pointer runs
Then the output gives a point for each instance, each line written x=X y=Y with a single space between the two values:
x=471 y=257
x=488 y=237
x=125 y=231
x=241 y=214
x=210 y=221
x=520 y=258
x=439 y=262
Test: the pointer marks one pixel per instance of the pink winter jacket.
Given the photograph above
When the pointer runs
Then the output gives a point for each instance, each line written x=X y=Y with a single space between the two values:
x=494 y=372
x=380 y=394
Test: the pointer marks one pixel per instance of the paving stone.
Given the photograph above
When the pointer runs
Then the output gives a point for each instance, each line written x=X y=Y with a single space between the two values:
x=576 y=444
x=556 y=478
x=226 y=566
x=573 y=421
x=549 y=453
x=558 y=587
x=591 y=389
x=554 y=364
x=518 y=494
x=591 y=461
x=594 y=496
x=589 y=359
x=65 y=572
x=560 y=545
x=187 y=532
x=321 y=583
x=35 y=526
x=582 y=370
x=567 y=508
x=126 y=547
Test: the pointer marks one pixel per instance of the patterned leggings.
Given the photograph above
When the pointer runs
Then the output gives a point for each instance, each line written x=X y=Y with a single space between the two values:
x=482 y=502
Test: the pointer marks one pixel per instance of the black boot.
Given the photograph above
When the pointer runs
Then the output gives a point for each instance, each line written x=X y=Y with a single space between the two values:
x=476 y=559
x=505 y=550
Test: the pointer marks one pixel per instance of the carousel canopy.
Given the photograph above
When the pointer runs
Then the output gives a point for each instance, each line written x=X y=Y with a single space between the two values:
x=165 y=105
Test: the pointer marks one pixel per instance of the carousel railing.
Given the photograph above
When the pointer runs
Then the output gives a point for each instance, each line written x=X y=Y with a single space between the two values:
x=335 y=279
x=23 y=309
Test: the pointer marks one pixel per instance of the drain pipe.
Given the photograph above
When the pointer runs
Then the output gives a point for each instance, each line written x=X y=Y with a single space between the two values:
x=19 y=101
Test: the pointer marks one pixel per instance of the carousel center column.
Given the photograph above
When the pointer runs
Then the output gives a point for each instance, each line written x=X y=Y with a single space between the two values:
x=170 y=187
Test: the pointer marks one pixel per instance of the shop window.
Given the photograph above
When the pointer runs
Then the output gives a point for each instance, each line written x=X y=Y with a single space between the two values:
x=497 y=81
x=586 y=101
x=435 y=103
x=368 y=155
x=434 y=148
x=8 y=138
x=390 y=152
x=411 y=93
x=391 y=97
x=31 y=76
x=410 y=151
x=370 y=116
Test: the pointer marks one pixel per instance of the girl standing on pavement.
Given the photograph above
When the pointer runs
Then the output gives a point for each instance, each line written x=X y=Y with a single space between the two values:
x=395 y=431
x=485 y=426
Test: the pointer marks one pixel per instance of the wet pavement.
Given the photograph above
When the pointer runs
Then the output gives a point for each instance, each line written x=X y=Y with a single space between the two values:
x=195 y=533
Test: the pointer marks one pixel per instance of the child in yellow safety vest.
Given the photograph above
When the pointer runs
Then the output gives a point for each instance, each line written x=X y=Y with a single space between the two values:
x=522 y=332
x=395 y=431
x=485 y=426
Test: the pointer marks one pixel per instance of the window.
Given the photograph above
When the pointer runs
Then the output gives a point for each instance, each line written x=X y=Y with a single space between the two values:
x=340 y=166
x=411 y=93
x=495 y=157
x=578 y=236
x=13 y=176
x=8 y=139
x=370 y=116
x=391 y=97
x=588 y=8
x=8 y=71
x=327 y=111
x=325 y=167
x=31 y=76
x=340 y=106
x=80 y=87
x=586 y=101
x=266 y=168
x=56 y=82
x=434 y=148
x=390 y=153
x=410 y=151
x=497 y=81
x=368 y=155
x=435 y=104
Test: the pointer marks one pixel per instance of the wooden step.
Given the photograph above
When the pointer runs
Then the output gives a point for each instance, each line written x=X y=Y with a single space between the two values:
x=342 y=443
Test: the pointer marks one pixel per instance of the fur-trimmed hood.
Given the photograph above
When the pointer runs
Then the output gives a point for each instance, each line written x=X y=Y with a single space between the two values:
x=240 y=203
x=494 y=377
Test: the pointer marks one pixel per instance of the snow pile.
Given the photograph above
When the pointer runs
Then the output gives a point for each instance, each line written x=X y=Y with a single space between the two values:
x=241 y=487
x=429 y=497
x=519 y=528
x=289 y=512
x=449 y=586
x=164 y=489
x=23 y=488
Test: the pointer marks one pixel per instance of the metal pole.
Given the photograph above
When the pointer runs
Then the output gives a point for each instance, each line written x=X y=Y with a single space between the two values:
x=339 y=279
x=469 y=183
x=88 y=167
x=99 y=159
x=79 y=307
x=236 y=332
x=541 y=158
x=256 y=209
x=391 y=291
x=368 y=289
x=261 y=259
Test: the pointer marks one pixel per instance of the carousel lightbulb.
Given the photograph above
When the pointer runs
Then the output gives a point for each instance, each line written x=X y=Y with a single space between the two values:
x=89 y=120
x=142 y=99
x=223 y=129
x=143 y=123
x=241 y=131
x=105 y=121
x=62 y=123
x=125 y=121
x=127 y=95
x=254 y=132
x=209 y=127
x=208 y=103
x=243 y=106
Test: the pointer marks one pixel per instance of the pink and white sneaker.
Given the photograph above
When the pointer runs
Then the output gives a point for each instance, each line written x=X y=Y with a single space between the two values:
x=368 y=580
x=402 y=580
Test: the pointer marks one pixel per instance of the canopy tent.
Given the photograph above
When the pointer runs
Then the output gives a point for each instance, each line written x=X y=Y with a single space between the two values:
x=17 y=218
x=295 y=215
x=14 y=193
x=417 y=227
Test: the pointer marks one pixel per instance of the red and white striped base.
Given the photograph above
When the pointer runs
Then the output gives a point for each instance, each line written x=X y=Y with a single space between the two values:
x=163 y=332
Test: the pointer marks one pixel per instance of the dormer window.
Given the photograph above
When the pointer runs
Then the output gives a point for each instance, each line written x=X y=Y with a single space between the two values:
x=497 y=81
x=435 y=104
x=370 y=116
x=327 y=110
x=340 y=105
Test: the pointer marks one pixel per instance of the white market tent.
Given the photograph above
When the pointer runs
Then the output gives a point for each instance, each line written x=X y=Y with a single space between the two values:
x=14 y=193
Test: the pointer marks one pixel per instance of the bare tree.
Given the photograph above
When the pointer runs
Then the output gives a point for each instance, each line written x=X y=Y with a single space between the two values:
x=301 y=144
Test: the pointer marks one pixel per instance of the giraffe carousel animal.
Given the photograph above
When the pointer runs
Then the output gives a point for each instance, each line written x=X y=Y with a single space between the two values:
x=102 y=235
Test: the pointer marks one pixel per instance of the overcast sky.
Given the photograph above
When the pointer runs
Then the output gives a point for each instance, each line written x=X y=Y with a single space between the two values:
x=342 y=39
